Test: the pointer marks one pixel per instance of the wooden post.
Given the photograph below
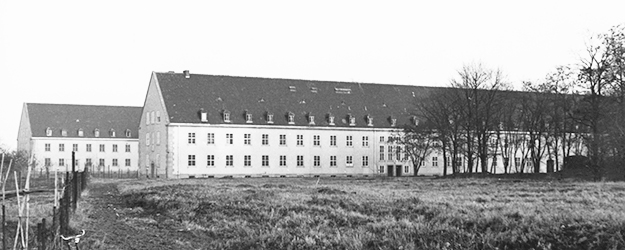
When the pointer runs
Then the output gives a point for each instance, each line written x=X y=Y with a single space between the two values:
x=6 y=178
x=75 y=182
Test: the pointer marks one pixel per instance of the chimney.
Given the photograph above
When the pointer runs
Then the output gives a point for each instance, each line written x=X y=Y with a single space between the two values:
x=186 y=74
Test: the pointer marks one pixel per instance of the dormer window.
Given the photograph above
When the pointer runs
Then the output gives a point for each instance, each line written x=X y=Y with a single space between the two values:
x=112 y=133
x=311 y=120
x=203 y=115
x=369 y=121
x=63 y=132
x=393 y=121
x=291 y=118
x=226 y=116
x=248 y=117
x=48 y=131
x=96 y=132
x=270 y=118
x=415 y=121
x=331 y=119
x=81 y=132
x=342 y=90
x=352 y=120
x=314 y=89
x=292 y=89
x=128 y=133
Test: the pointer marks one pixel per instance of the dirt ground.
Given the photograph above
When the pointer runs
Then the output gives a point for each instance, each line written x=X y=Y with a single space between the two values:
x=109 y=224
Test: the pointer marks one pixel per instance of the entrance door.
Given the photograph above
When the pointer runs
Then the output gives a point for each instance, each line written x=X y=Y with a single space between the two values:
x=389 y=171
x=398 y=170
x=153 y=167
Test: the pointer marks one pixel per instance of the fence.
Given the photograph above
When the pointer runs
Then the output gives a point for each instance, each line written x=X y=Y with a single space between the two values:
x=47 y=236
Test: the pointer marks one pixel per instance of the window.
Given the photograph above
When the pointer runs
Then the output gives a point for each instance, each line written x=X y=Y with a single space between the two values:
x=210 y=160
x=229 y=160
x=147 y=119
x=333 y=161
x=333 y=140
x=101 y=147
x=349 y=161
x=226 y=116
x=114 y=147
x=316 y=140
x=76 y=162
x=75 y=147
x=265 y=140
x=365 y=141
x=81 y=133
x=101 y=163
x=47 y=162
x=61 y=162
x=291 y=118
x=352 y=120
x=406 y=169
x=381 y=138
x=229 y=139
x=147 y=160
x=61 y=147
x=210 y=138
x=381 y=169
x=317 y=161
x=517 y=161
x=434 y=161
x=88 y=148
x=112 y=133
x=247 y=139
x=48 y=132
x=89 y=163
x=300 y=160
x=381 y=153
x=47 y=147
x=191 y=138
x=398 y=153
x=282 y=139
x=348 y=141
x=153 y=118
x=369 y=121
x=114 y=162
x=127 y=163
x=390 y=153
x=405 y=153
x=283 y=161
x=147 y=139
x=265 y=161
x=127 y=148
x=158 y=138
x=300 y=140
x=311 y=120
x=128 y=133
x=269 y=118
x=248 y=118
x=158 y=116
x=247 y=160
x=365 y=161
x=331 y=119
x=96 y=132
x=191 y=160
x=63 y=132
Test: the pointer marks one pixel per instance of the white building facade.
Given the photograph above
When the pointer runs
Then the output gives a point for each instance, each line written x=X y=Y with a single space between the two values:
x=103 y=137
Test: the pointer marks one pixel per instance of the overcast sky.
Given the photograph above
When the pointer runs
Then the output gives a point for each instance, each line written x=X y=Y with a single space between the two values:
x=88 y=52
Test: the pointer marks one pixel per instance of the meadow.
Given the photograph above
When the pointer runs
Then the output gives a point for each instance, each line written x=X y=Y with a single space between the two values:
x=380 y=213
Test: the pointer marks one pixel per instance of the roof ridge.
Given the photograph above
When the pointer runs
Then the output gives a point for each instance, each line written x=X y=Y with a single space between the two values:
x=84 y=105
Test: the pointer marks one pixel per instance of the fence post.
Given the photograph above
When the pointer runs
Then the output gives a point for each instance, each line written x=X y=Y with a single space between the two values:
x=75 y=182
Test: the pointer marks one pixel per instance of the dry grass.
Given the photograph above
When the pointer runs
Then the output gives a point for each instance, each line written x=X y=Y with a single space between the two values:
x=403 y=213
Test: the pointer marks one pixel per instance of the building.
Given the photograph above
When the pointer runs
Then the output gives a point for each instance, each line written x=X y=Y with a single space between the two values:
x=205 y=125
x=102 y=136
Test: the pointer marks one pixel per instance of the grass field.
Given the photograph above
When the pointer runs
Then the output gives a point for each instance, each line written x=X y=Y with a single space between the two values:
x=398 y=213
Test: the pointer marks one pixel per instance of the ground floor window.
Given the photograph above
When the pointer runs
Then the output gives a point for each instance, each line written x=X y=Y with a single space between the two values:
x=381 y=169
x=210 y=160
x=114 y=162
x=229 y=160
x=365 y=161
x=349 y=161
x=127 y=162
x=317 y=161
x=191 y=160
x=265 y=161
x=333 y=161
x=247 y=160
x=406 y=169
x=283 y=161
x=300 y=160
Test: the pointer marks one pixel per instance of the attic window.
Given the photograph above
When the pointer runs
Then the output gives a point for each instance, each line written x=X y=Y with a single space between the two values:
x=128 y=133
x=270 y=118
x=311 y=120
x=313 y=89
x=48 y=131
x=291 y=118
x=203 y=115
x=81 y=132
x=393 y=122
x=158 y=116
x=352 y=120
x=415 y=121
x=248 y=117
x=369 y=120
x=292 y=89
x=330 y=119
x=96 y=132
x=112 y=133
x=63 y=132
x=226 y=116
x=342 y=90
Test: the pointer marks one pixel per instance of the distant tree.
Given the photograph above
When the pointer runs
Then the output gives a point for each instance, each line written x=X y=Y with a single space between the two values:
x=418 y=143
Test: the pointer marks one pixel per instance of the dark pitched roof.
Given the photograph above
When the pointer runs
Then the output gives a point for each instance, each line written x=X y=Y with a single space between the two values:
x=72 y=118
x=184 y=97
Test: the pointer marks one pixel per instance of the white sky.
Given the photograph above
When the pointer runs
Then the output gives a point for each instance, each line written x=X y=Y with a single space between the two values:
x=88 y=52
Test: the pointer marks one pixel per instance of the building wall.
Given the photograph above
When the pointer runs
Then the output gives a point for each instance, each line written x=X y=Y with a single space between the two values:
x=24 y=133
x=153 y=151
x=55 y=154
